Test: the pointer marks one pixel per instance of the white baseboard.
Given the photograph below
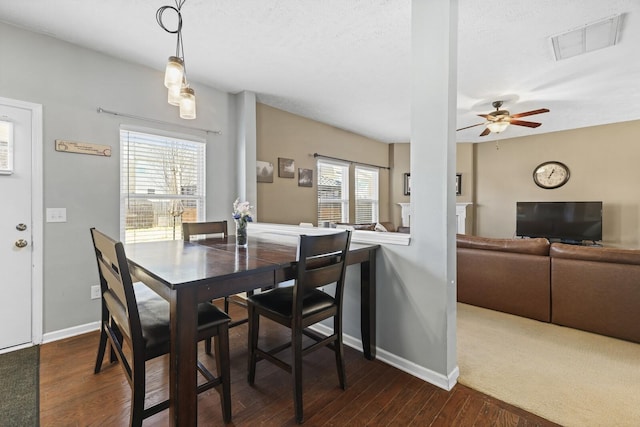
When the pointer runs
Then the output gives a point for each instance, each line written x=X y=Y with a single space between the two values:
x=16 y=347
x=70 y=332
x=439 y=380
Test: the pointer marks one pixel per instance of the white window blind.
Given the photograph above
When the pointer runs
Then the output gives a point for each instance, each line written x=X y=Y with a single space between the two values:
x=366 y=196
x=162 y=184
x=333 y=192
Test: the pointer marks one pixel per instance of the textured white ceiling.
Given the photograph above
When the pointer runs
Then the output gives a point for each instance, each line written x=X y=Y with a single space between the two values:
x=347 y=62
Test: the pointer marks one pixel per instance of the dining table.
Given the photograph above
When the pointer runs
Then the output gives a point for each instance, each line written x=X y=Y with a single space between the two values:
x=187 y=273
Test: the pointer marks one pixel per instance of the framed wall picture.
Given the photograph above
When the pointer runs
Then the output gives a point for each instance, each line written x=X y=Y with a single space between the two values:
x=264 y=171
x=407 y=184
x=458 y=184
x=286 y=168
x=305 y=177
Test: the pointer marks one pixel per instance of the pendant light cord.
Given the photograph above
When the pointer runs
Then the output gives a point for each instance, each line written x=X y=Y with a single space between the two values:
x=178 y=30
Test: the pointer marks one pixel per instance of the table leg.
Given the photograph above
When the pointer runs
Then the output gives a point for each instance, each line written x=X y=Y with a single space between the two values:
x=183 y=405
x=368 y=306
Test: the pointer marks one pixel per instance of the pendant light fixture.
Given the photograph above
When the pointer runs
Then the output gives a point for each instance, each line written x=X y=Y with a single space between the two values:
x=175 y=76
x=187 y=103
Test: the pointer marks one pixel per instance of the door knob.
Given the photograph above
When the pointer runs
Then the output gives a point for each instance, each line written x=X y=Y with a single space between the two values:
x=21 y=227
x=21 y=243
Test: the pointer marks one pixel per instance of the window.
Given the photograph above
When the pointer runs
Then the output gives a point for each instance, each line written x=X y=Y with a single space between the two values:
x=366 y=194
x=333 y=192
x=6 y=147
x=162 y=184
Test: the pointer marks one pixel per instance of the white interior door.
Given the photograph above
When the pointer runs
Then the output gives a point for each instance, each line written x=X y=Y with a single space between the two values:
x=16 y=226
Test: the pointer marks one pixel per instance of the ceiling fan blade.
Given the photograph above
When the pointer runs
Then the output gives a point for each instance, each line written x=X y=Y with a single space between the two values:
x=525 y=123
x=472 y=126
x=530 y=113
x=486 y=116
x=485 y=132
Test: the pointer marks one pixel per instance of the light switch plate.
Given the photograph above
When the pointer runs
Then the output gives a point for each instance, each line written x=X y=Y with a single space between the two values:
x=56 y=214
x=95 y=291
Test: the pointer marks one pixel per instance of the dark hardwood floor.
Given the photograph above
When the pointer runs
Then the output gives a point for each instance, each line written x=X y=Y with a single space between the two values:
x=377 y=394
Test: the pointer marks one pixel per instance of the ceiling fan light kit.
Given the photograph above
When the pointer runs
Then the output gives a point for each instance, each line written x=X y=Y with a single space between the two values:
x=499 y=120
x=497 y=127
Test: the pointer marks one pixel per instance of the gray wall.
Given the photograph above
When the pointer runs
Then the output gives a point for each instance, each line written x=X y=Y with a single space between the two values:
x=71 y=82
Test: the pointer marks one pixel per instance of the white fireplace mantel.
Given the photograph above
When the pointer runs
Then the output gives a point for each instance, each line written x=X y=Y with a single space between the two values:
x=461 y=217
x=406 y=214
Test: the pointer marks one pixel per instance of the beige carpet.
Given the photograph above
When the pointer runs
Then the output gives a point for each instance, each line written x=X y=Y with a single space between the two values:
x=571 y=377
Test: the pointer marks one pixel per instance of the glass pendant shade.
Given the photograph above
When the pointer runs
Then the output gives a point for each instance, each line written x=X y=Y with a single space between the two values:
x=174 y=93
x=187 y=103
x=497 y=127
x=174 y=72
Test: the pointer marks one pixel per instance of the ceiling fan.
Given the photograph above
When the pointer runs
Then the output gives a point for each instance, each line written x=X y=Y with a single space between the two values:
x=499 y=120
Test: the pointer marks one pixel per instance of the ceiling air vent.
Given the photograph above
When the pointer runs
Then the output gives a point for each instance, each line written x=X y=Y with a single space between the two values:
x=588 y=38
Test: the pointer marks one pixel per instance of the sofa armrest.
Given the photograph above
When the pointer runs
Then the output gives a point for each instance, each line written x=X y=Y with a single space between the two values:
x=596 y=296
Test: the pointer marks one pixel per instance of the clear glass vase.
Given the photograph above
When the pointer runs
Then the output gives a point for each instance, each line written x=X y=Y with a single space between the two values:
x=241 y=233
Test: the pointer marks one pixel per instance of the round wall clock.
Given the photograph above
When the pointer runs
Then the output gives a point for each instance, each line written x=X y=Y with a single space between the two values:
x=551 y=175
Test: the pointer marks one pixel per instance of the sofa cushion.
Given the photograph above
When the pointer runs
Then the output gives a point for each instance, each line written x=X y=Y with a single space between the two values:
x=385 y=226
x=365 y=226
x=505 y=281
x=537 y=246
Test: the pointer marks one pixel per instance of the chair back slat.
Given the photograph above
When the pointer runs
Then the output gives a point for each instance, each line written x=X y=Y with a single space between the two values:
x=323 y=245
x=112 y=277
x=190 y=229
x=322 y=261
x=118 y=312
x=322 y=276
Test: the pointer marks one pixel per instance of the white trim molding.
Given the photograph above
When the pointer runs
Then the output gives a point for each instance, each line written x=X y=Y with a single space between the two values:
x=70 y=332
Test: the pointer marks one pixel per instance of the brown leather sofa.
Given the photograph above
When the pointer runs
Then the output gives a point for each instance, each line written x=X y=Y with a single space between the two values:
x=506 y=275
x=594 y=289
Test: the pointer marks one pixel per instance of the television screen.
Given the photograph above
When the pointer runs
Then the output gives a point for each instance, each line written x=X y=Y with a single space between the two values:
x=566 y=221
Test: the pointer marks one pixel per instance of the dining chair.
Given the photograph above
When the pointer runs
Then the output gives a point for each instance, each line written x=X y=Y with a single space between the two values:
x=190 y=229
x=321 y=262
x=135 y=315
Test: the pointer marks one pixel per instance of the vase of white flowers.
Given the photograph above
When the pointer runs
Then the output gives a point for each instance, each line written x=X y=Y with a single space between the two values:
x=241 y=215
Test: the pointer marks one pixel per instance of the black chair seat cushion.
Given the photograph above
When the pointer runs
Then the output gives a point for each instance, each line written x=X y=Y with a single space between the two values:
x=279 y=301
x=154 y=318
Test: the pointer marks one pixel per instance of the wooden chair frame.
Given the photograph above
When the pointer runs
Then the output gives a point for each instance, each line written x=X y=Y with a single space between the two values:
x=322 y=261
x=121 y=323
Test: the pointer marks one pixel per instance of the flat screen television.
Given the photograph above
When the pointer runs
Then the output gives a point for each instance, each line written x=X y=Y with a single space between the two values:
x=570 y=222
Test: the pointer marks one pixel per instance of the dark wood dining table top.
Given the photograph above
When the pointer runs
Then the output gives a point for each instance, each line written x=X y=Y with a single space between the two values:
x=178 y=263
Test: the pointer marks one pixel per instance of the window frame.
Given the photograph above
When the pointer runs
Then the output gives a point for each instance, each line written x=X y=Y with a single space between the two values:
x=374 y=202
x=196 y=150
x=344 y=192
